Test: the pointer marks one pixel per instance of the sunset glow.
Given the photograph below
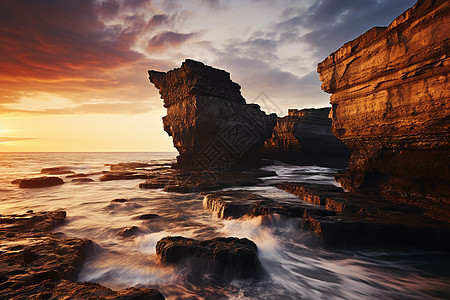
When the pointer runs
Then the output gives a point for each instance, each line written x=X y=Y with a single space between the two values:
x=73 y=74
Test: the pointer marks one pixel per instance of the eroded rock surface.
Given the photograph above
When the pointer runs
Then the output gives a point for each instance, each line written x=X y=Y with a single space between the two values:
x=365 y=220
x=37 y=264
x=390 y=106
x=226 y=258
x=211 y=125
x=304 y=136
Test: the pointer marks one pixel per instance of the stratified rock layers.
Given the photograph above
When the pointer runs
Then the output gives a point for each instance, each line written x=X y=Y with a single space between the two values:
x=390 y=106
x=211 y=125
x=306 y=132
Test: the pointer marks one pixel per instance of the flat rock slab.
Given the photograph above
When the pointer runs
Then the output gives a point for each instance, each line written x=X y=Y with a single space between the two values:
x=225 y=258
x=38 y=182
x=368 y=220
x=236 y=204
x=189 y=181
x=37 y=264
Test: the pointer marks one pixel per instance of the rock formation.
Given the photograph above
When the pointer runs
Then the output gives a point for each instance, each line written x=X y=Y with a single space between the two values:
x=225 y=258
x=38 y=264
x=211 y=125
x=305 y=136
x=38 y=182
x=390 y=106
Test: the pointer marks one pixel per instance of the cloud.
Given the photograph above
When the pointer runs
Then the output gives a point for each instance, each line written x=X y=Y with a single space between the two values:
x=329 y=23
x=168 y=39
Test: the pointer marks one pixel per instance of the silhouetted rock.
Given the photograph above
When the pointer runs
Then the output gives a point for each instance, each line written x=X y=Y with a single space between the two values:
x=37 y=264
x=211 y=125
x=390 y=106
x=304 y=136
x=38 y=182
x=226 y=258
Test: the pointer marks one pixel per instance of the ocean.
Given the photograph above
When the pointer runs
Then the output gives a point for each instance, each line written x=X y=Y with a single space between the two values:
x=297 y=265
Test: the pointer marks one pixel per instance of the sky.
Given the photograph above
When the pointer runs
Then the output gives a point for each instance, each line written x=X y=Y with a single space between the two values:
x=73 y=73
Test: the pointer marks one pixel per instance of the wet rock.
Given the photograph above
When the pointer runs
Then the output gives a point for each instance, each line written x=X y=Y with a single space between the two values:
x=304 y=136
x=211 y=125
x=38 y=182
x=226 y=258
x=56 y=171
x=189 y=181
x=148 y=216
x=390 y=107
x=82 y=180
x=368 y=220
x=129 y=232
x=236 y=204
x=37 y=264
x=120 y=200
x=123 y=176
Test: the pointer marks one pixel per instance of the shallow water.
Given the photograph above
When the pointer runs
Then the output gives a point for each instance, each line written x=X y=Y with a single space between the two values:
x=296 y=265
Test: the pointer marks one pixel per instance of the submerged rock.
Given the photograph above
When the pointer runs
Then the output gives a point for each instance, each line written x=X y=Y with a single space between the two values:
x=226 y=258
x=56 y=171
x=37 y=264
x=82 y=180
x=211 y=125
x=123 y=176
x=38 y=182
x=390 y=106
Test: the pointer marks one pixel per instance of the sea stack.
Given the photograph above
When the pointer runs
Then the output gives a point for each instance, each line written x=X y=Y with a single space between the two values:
x=304 y=136
x=212 y=126
x=391 y=107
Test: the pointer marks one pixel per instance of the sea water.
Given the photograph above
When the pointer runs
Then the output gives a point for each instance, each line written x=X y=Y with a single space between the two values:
x=296 y=265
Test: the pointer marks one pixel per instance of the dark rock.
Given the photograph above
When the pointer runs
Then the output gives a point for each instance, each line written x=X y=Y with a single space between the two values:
x=38 y=182
x=189 y=181
x=129 y=232
x=226 y=258
x=82 y=180
x=123 y=176
x=120 y=200
x=37 y=264
x=56 y=171
x=211 y=125
x=390 y=106
x=368 y=220
x=304 y=136
x=148 y=217
x=236 y=204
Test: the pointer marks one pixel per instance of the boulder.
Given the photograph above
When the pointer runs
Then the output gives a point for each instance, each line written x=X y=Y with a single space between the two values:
x=38 y=182
x=225 y=258
x=211 y=125
x=391 y=108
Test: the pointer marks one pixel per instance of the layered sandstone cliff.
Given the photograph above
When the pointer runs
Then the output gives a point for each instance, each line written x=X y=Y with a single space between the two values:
x=211 y=125
x=391 y=107
x=305 y=136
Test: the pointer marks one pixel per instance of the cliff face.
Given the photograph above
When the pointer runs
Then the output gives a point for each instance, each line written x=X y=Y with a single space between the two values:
x=211 y=125
x=305 y=134
x=391 y=107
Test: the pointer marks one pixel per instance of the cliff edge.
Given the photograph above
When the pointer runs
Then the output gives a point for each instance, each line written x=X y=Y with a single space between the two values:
x=391 y=107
